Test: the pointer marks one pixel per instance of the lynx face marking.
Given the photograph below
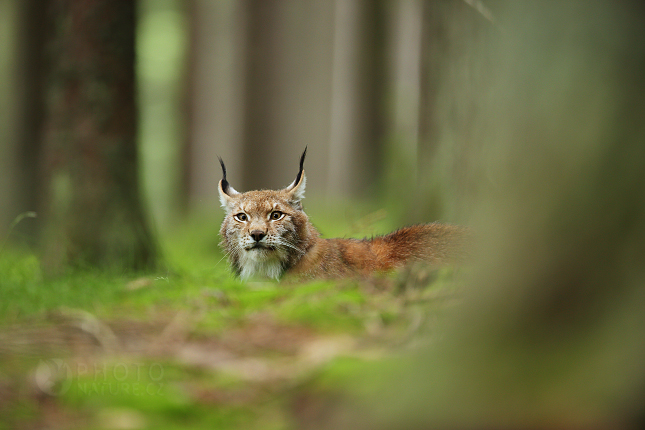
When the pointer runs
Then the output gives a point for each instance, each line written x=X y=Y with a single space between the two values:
x=264 y=231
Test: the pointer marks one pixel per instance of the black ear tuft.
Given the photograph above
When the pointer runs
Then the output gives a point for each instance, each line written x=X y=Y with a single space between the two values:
x=302 y=165
x=225 y=185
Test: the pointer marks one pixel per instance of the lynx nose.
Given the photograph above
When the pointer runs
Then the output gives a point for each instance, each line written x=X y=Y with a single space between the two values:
x=257 y=235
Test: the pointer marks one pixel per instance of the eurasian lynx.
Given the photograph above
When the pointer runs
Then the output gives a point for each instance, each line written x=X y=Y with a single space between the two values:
x=267 y=233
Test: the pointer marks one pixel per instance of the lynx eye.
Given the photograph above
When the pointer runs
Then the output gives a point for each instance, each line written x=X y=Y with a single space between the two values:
x=276 y=215
x=241 y=217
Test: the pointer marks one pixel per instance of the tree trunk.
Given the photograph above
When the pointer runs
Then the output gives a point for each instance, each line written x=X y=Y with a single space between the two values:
x=94 y=215
x=22 y=114
x=357 y=105
x=263 y=110
x=287 y=77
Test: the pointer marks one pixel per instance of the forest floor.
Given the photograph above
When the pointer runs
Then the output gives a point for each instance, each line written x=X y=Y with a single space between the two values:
x=193 y=347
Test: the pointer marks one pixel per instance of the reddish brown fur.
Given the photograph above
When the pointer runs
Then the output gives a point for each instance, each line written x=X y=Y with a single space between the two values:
x=332 y=258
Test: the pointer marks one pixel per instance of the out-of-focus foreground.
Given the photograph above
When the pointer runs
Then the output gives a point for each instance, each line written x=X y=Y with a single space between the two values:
x=551 y=331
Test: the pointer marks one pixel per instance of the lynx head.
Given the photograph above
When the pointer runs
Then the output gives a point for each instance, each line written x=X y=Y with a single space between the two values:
x=264 y=232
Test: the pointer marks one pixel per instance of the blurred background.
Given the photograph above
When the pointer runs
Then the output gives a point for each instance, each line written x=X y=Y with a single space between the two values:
x=254 y=82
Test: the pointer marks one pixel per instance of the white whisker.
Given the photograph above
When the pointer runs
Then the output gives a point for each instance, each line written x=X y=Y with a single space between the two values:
x=291 y=245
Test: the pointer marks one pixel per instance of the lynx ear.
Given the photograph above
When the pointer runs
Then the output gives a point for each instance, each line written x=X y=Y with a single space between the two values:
x=296 y=190
x=226 y=192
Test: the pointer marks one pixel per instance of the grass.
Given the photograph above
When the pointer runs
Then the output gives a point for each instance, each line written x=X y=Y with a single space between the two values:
x=226 y=353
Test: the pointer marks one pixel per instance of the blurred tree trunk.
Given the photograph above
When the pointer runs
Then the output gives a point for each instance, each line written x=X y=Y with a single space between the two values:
x=189 y=89
x=22 y=116
x=372 y=95
x=405 y=45
x=214 y=99
x=287 y=77
x=263 y=110
x=454 y=66
x=439 y=63
x=93 y=215
x=358 y=91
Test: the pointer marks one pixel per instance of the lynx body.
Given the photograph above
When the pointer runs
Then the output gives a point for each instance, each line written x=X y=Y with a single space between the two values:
x=267 y=233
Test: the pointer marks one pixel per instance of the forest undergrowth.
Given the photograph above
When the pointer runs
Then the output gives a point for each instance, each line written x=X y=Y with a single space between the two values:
x=191 y=346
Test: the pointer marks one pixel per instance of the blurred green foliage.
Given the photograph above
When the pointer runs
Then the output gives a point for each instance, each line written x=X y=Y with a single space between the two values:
x=162 y=45
x=196 y=285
